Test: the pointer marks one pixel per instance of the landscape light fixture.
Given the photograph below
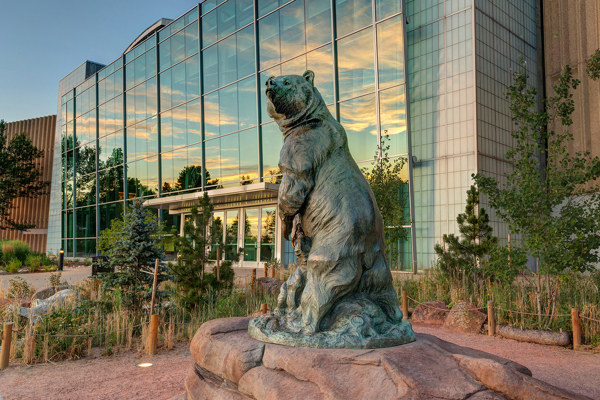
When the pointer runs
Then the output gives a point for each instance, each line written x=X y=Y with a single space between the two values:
x=61 y=258
x=144 y=365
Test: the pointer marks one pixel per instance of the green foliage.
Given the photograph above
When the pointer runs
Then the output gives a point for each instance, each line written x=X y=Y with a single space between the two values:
x=18 y=288
x=504 y=264
x=55 y=279
x=554 y=205
x=15 y=249
x=20 y=176
x=191 y=281
x=33 y=262
x=464 y=254
x=13 y=265
x=593 y=66
x=134 y=246
x=391 y=194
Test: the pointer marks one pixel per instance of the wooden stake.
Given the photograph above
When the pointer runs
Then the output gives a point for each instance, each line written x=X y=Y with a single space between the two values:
x=153 y=338
x=253 y=277
x=263 y=309
x=154 y=287
x=405 y=305
x=29 y=353
x=6 y=339
x=266 y=270
x=272 y=272
x=576 y=328
x=218 y=263
x=491 y=321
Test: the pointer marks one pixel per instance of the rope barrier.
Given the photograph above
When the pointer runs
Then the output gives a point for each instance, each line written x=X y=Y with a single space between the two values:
x=534 y=314
x=446 y=310
x=88 y=335
x=588 y=318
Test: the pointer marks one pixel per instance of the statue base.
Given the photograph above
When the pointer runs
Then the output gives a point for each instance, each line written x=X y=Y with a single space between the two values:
x=231 y=365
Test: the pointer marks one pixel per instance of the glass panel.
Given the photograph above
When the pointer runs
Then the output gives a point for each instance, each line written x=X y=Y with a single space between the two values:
x=111 y=184
x=139 y=66
x=86 y=222
x=400 y=254
x=209 y=28
x=272 y=142
x=167 y=173
x=355 y=64
x=151 y=97
x=216 y=233
x=164 y=49
x=267 y=234
x=86 y=190
x=352 y=15
x=108 y=212
x=247 y=103
x=231 y=235
x=150 y=63
x=192 y=77
x=177 y=47
x=228 y=110
x=292 y=30
x=266 y=6
x=86 y=247
x=320 y=62
x=359 y=119
x=210 y=69
x=178 y=85
x=244 y=12
x=192 y=15
x=194 y=122
x=166 y=131
x=230 y=160
x=269 y=50
x=385 y=8
x=212 y=151
x=179 y=126
x=211 y=115
x=249 y=156
x=226 y=19
x=165 y=90
x=318 y=23
x=275 y=71
x=191 y=39
x=390 y=49
x=227 y=60
x=392 y=110
x=245 y=52
x=250 y=234
x=69 y=220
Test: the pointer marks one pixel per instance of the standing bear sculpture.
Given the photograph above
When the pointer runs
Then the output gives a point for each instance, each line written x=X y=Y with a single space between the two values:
x=341 y=295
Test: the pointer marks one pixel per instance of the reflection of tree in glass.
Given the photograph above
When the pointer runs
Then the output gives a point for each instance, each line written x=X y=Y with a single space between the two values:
x=189 y=177
x=391 y=194
x=268 y=228
x=275 y=176
x=246 y=180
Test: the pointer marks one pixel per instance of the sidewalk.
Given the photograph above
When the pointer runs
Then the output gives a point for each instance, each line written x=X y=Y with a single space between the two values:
x=41 y=280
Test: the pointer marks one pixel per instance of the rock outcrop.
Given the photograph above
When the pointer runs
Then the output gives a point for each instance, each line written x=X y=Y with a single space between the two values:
x=231 y=365
x=464 y=317
x=430 y=312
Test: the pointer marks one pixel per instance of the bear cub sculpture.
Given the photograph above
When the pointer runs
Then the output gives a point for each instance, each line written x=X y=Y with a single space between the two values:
x=341 y=295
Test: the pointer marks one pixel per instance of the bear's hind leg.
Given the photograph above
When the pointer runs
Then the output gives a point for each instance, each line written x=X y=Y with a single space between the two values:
x=378 y=282
x=328 y=280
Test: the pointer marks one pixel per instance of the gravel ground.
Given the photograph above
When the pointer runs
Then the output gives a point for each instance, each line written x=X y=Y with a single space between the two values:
x=117 y=377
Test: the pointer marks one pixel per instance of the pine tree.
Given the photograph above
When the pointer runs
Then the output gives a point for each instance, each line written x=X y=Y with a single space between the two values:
x=192 y=282
x=133 y=246
x=464 y=254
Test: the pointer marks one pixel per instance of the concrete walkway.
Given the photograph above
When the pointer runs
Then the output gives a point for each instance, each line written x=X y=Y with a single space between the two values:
x=41 y=280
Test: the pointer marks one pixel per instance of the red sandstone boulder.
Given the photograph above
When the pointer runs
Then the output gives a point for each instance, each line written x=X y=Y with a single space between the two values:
x=464 y=317
x=430 y=312
x=231 y=365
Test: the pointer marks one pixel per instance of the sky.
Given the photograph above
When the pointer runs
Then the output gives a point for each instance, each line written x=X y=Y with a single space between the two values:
x=41 y=41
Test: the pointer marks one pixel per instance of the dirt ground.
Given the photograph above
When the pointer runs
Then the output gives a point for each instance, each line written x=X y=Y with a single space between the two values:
x=117 y=377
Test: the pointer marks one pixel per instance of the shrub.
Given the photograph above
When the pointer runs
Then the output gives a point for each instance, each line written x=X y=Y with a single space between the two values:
x=33 y=262
x=18 y=288
x=13 y=265
x=55 y=279
x=46 y=261
x=15 y=248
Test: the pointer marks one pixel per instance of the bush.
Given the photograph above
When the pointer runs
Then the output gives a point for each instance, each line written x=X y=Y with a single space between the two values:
x=15 y=248
x=18 y=288
x=33 y=262
x=13 y=265
x=46 y=261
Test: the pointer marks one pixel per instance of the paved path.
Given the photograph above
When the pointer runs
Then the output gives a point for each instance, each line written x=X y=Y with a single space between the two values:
x=40 y=280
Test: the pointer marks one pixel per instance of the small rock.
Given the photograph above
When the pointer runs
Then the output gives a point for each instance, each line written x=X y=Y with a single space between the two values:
x=430 y=312
x=3 y=272
x=49 y=291
x=23 y=270
x=464 y=317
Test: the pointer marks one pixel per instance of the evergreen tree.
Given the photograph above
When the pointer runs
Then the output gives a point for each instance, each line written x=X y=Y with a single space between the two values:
x=464 y=253
x=19 y=175
x=192 y=282
x=133 y=245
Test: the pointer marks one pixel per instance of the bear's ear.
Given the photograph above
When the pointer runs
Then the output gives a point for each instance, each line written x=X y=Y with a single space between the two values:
x=309 y=76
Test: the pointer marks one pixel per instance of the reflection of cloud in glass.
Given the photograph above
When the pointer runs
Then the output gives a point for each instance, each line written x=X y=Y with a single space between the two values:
x=359 y=120
x=352 y=15
x=392 y=109
x=355 y=64
x=390 y=49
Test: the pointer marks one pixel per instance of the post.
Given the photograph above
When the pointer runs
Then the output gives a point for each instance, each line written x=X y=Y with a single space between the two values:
x=218 y=263
x=491 y=321
x=576 y=328
x=266 y=270
x=29 y=353
x=61 y=259
x=6 y=338
x=153 y=339
x=405 y=305
x=253 y=277
x=272 y=271
x=263 y=309
x=154 y=287
x=509 y=249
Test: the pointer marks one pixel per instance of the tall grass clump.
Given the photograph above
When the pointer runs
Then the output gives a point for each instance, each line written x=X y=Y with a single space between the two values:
x=14 y=249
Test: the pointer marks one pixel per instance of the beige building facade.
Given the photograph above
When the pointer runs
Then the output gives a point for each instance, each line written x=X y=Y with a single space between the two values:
x=34 y=210
x=571 y=36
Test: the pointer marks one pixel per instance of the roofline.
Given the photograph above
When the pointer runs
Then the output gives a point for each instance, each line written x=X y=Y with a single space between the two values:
x=149 y=31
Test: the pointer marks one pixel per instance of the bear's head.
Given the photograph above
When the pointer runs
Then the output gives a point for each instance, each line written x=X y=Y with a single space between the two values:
x=291 y=96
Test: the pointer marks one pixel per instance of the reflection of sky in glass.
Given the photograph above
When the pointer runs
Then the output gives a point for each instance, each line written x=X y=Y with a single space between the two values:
x=392 y=110
x=390 y=49
x=352 y=15
x=272 y=141
x=359 y=119
x=355 y=64
x=385 y=8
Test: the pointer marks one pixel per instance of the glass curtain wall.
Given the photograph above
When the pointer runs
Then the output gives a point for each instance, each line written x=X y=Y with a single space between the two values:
x=185 y=109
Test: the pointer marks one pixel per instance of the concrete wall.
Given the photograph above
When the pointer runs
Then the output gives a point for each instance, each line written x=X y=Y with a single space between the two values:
x=34 y=210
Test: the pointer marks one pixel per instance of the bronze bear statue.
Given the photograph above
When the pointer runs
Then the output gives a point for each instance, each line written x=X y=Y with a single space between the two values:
x=343 y=285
